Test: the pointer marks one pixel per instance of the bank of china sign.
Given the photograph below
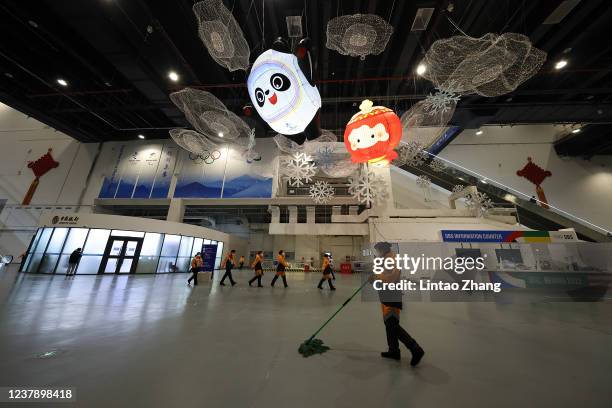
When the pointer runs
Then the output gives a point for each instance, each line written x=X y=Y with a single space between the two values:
x=64 y=220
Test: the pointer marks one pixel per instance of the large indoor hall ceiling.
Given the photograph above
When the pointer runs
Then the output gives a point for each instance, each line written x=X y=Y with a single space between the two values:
x=115 y=56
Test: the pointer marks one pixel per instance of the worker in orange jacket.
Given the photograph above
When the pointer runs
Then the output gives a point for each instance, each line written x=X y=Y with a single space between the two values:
x=280 y=268
x=228 y=263
x=327 y=273
x=258 y=268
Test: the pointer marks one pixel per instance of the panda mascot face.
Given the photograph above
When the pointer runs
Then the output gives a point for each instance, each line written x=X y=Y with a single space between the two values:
x=281 y=93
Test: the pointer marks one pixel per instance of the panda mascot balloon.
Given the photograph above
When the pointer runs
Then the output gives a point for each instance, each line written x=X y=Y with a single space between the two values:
x=285 y=98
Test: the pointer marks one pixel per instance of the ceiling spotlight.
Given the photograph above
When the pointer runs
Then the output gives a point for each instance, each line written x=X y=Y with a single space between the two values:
x=173 y=76
x=577 y=130
x=560 y=64
x=220 y=134
x=141 y=136
x=421 y=69
x=484 y=181
x=479 y=132
x=62 y=82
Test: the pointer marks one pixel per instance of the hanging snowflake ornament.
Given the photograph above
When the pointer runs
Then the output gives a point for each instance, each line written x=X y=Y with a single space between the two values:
x=445 y=99
x=298 y=169
x=423 y=181
x=478 y=202
x=437 y=165
x=458 y=188
x=412 y=154
x=321 y=192
x=325 y=158
x=368 y=188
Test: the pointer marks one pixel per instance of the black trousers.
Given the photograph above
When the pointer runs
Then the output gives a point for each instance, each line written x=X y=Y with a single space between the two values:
x=194 y=277
x=320 y=286
x=228 y=274
x=396 y=333
x=276 y=277
x=256 y=278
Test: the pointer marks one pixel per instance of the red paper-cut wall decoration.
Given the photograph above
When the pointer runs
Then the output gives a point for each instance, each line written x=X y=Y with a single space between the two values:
x=39 y=167
x=536 y=175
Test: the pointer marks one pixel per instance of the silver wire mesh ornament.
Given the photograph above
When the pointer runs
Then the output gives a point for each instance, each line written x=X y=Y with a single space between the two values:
x=321 y=192
x=491 y=65
x=222 y=35
x=209 y=116
x=437 y=165
x=427 y=123
x=479 y=203
x=192 y=141
x=411 y=154
x=458 y=188
x=423 y=181
x=358 y=35
x=368 y=188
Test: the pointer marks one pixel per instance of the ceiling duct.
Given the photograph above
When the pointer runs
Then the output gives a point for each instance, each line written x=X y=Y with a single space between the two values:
x=294 y=26
x=561 y=12
x=421 y=20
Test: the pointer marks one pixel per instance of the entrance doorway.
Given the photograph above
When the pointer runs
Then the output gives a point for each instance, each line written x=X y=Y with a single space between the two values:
x=121 y=255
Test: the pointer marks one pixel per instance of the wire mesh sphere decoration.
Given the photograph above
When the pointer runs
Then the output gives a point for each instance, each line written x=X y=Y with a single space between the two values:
x=222 y=35
x=423 y=121
x=209 y=117
x=358 y=35
x=491 y=65
x=192 y=141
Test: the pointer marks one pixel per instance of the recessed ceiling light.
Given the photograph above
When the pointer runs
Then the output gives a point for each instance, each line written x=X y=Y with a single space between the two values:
x=220 y=134
x=141 y=136
x=421 y=69
x=8 y=75
x=173 y=76
x=62 y=82
x=561 y=64
x=577 y=130
x=484 y=181
x=479 y=132
x=33 y=23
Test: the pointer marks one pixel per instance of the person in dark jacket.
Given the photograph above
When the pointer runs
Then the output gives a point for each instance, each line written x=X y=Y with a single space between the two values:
x=196 y=266
x=391 y=303
x=73 y=261
x=229 y=264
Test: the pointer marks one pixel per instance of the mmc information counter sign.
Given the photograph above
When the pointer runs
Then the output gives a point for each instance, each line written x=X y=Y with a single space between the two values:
x=508 y=236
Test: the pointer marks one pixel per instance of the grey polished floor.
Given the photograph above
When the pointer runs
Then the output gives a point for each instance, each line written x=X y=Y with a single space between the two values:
x=151 y=341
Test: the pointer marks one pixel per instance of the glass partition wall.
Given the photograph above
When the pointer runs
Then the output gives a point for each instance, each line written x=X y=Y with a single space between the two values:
x=107 y=251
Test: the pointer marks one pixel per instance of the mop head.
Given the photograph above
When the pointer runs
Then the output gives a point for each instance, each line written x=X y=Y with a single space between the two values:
x=311 y=347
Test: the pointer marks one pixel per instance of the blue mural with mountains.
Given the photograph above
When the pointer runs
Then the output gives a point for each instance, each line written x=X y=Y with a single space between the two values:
x=241 y=187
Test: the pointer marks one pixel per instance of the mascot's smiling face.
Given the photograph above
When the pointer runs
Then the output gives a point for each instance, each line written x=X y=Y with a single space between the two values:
x=281 y=94
x=365 y=136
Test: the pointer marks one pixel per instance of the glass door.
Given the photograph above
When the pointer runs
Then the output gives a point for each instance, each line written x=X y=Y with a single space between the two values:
x=121 y=255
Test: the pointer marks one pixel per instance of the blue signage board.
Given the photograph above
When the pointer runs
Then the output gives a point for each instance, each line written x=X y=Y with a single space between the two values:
x=479 y=236
x=209 y=253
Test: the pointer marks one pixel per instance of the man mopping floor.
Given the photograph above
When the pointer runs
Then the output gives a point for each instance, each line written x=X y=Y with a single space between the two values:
x=391 y=302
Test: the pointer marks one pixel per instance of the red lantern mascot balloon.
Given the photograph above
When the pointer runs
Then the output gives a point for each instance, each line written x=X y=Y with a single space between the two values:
x=372 y=134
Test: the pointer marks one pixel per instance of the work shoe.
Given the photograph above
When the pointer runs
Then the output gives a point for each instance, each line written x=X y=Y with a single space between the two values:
x=394 y=355
x=222 y=284
x=332 y=288
x=417 y=355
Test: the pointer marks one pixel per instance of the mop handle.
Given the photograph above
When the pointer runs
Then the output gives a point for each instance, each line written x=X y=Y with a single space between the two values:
x=337 y=311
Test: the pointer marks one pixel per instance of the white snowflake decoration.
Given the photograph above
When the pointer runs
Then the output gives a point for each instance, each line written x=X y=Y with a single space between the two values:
x=423 y=181
x=478 y=202
x=441 y=101
x=437 y=165
x=321 y=192
x=368 y=188
x=458 y=188
x=298 y=169
x=412 y=154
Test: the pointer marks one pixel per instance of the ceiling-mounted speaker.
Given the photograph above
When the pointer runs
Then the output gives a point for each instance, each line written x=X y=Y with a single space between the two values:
x=294 y=26
x=421 y=20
